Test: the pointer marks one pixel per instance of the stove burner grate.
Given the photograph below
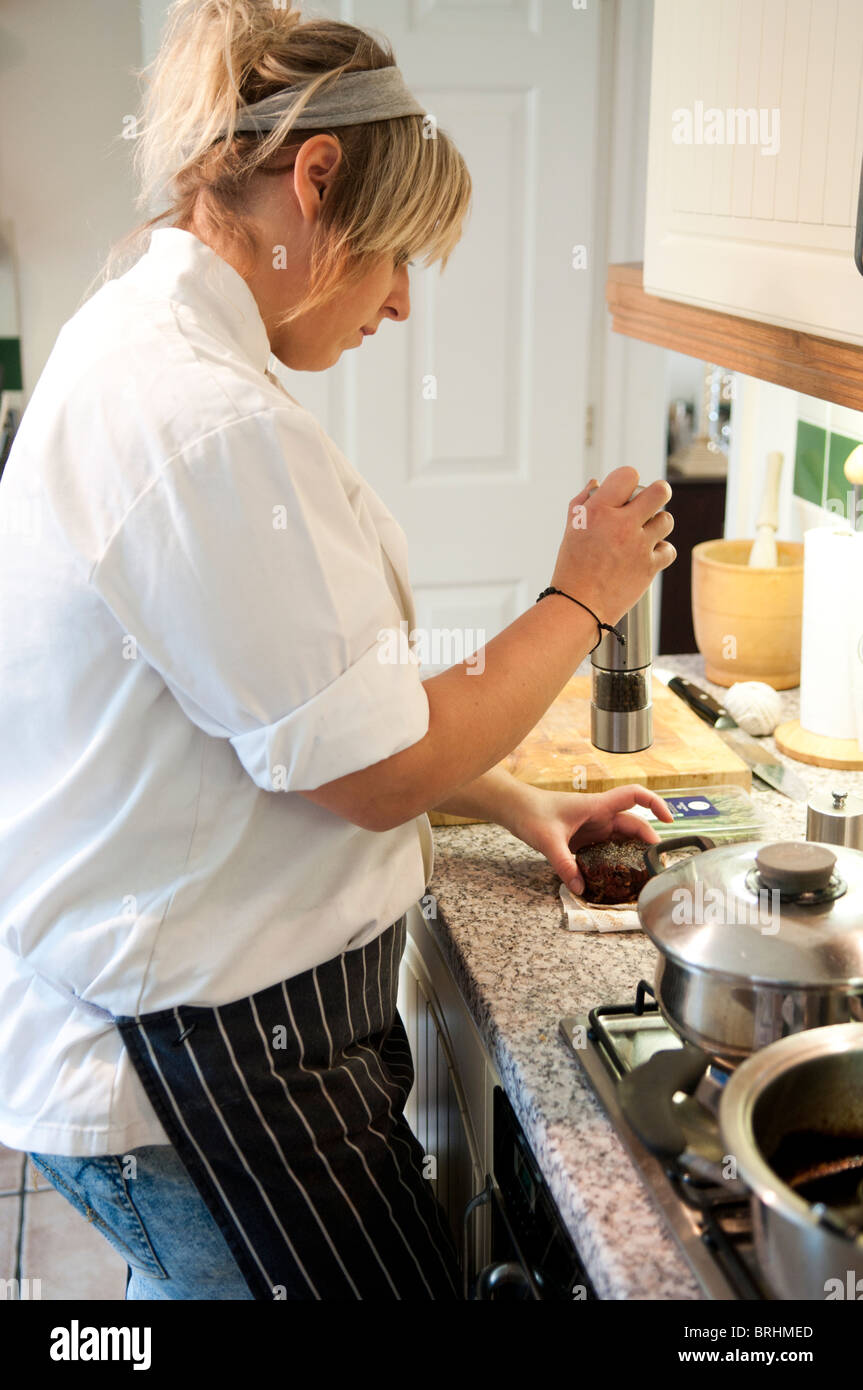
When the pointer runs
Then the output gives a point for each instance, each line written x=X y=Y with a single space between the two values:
x=720 y=1224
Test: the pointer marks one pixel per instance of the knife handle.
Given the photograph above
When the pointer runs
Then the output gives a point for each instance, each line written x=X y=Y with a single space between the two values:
x=704 y=705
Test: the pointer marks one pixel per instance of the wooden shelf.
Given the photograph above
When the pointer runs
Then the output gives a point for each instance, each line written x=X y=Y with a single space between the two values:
x=819 y=367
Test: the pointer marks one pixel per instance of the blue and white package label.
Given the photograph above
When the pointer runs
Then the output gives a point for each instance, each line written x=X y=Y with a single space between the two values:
x=687 y=807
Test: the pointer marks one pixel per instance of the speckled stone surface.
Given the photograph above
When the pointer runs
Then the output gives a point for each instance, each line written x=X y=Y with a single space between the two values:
x=499 y=924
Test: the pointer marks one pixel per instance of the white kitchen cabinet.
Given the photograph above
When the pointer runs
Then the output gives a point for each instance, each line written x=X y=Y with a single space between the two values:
x=450 y=1106
x=756 y=139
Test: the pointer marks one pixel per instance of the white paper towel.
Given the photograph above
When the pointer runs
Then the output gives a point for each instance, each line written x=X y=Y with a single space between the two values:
x=831 y=659
x=579 y=915
x=856 y=624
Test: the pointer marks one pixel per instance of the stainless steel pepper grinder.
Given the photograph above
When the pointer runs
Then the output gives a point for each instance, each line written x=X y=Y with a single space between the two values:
x=835 y=818
x=621 y=706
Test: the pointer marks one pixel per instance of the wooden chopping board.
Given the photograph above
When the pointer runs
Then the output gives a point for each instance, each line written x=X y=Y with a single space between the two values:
x=686 y=752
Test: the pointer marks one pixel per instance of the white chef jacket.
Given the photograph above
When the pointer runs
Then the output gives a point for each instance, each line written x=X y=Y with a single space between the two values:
x=193 y=580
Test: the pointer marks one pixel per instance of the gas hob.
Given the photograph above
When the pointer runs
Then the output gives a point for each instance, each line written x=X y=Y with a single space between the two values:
x=712 y=1228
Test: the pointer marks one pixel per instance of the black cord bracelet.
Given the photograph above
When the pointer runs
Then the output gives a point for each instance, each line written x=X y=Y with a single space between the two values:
x=603 y=627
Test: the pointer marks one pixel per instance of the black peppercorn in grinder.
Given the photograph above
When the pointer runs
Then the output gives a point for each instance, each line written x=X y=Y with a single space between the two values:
x=621 y=707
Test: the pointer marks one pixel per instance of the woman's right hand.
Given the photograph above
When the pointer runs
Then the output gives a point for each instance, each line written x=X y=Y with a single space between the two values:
x=613 y=547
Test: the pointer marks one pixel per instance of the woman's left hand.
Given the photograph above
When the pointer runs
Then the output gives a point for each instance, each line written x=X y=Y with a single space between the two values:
x=548 y=821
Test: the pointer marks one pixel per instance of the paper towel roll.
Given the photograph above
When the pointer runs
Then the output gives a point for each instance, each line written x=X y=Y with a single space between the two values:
x=856 y=624
x=831 y=687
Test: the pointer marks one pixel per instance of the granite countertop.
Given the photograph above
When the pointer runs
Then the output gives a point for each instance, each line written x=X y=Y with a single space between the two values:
x=499 y=919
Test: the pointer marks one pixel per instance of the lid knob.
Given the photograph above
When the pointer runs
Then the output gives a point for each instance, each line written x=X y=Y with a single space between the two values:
x=793 y=867
x=839 y=799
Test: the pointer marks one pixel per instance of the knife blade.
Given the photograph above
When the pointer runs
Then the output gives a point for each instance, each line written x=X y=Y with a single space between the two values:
x=763 y=763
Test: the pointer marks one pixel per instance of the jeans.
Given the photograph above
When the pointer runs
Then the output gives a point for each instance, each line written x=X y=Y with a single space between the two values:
x=147 y=1207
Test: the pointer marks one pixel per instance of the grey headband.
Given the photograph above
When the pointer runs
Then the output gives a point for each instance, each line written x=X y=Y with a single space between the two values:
x=352 y=99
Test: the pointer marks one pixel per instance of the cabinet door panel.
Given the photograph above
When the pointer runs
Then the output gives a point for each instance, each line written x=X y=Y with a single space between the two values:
x=449 y=1108
x=756 y=140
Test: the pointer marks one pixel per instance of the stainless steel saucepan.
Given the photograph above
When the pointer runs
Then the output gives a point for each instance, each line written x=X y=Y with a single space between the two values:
x=789 y=1134
x=756 y=940
x=792 y=1117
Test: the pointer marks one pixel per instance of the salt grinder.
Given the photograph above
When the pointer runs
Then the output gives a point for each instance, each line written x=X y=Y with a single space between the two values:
x=621 y=706
x=835 y=818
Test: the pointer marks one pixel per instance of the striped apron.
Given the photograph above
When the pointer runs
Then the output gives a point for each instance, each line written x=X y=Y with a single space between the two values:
x=286 y=1108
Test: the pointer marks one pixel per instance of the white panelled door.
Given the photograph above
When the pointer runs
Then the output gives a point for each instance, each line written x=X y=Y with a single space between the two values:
x=469 y=419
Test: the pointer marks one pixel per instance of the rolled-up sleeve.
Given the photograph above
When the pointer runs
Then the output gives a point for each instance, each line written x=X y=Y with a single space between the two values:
x=248 y=579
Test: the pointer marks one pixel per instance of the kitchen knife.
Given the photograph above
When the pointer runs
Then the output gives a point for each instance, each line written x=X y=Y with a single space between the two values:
x=762 y=762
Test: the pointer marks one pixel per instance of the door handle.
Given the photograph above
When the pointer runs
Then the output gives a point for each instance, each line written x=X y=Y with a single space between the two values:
x=482 y=1198
x=508 y=1276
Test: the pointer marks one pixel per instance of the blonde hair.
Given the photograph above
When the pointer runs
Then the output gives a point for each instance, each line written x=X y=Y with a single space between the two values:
x=395 y=191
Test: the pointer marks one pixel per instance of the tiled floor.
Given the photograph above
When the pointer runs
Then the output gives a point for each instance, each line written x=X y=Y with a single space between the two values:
x=43 y=1238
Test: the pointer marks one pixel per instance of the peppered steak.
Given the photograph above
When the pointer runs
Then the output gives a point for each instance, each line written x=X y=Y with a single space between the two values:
x=614 y=871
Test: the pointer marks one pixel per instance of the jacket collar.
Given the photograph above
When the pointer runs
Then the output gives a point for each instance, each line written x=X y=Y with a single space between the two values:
x=180 y=267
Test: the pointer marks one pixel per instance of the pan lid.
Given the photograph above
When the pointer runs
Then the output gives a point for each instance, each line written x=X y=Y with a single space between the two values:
x=788 y=912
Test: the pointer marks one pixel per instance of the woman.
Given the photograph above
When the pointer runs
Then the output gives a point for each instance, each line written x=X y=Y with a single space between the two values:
x=214 y=788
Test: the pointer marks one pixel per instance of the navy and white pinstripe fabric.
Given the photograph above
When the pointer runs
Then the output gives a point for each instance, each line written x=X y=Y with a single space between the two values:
x=286 y=1109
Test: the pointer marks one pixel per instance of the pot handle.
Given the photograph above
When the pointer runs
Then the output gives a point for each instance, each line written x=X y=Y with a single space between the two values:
x=646 y=1097
x=652 y=853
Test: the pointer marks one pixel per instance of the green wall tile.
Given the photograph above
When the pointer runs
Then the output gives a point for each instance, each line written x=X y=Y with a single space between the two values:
x=809 y=462
x=10 y=361
x=838 y=486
